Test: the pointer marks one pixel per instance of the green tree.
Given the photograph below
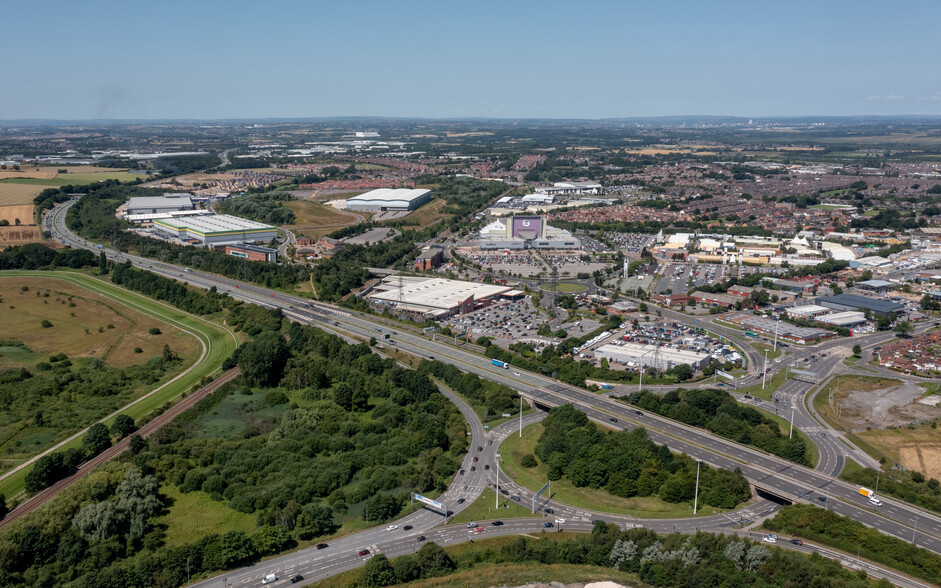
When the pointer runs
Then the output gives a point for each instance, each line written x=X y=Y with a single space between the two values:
x=903 y=327
x=262 y=360
x=122 y=426
x=434 y=560
x=314 y=521
x=343 y=396
x=378 y=571
x=406 y=569
x=136 y=444
x=96 y=439
x=857 y=350
x=3 y=506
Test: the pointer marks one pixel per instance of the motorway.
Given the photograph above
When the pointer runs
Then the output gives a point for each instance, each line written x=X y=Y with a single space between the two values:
x=775 y=475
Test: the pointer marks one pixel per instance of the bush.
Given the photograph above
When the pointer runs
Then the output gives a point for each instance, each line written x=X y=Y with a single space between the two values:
x=155 y=331
x=45 y=324
x=529 y=461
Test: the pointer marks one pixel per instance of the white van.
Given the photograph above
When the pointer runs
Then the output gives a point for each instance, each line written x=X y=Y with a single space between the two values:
x=875 y=501
x=269 y=579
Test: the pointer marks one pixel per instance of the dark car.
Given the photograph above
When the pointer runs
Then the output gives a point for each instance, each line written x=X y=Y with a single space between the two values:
x=547 y=525
x=462 y=472
x=797 y=542
x=296 y=579
x=322 y=546
x=487 y=467
x=548 y=511
x=431 y=357
x=747 y=397
x=516 y=498
x=639 y=413
x=407 y=528
x=613 y=420
x=460 y=501
x=822 y=498
x=473 y=468
x=496 y=524
x=421 y=537
x=479 y=448
x=363 y=552
x=504 y=492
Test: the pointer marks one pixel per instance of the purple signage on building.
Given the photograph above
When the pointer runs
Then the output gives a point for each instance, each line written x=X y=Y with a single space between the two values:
x=526 y=227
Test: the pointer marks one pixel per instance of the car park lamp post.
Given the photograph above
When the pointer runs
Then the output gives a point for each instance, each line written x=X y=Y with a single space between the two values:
x=696 y=496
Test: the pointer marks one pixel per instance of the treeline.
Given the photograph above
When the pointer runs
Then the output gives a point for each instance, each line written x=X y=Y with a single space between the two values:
x=176 y=293
x=717 y=411
x=497 y=398
x=38 y=256
x=675 y=560
x=628 y=463
x=344 y=272
x=267 y=207
x=910 y=486
x=829 y=528
x=49 y=197
x=93 y=218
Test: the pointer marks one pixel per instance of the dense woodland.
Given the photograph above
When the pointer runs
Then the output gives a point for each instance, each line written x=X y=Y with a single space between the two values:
x=717 y=411
x=676 y=561
x=266 y=207
x=627 y=463
x=359 y=435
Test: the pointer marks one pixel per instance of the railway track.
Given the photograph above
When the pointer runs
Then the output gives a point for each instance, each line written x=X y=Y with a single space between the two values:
x=118 y=448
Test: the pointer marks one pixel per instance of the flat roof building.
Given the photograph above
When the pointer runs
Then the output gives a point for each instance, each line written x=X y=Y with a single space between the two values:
x=158 y=204
x=848 y=318
x=250 y=252
x=661 y=358
x=785 y=330
x=853 y=302
x=216 y=229
x=436 y=297
x=389 y=199
x=876 y=285
x=808 y=311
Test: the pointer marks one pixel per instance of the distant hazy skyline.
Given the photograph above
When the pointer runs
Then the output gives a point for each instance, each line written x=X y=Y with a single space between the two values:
x=524 y=59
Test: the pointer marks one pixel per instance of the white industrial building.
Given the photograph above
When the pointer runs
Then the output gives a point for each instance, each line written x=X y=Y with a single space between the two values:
x=572 y=188
x=389 y=199
x=436 y=297
x=847 y=318
x=216 y=229
x=662 y=358
x=140 y=205
x=808 y=311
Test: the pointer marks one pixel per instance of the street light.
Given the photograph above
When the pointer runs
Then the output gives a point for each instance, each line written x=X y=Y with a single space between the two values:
x=496 y=467
x=696 y=496
x=776 y=321
x=791 y=434
x=764 y=374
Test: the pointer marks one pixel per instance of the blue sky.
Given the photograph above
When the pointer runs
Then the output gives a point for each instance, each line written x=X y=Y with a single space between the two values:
x=212 y=59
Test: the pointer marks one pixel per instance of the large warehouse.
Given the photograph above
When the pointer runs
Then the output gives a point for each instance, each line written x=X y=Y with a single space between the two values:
x=158 y=204
x=861 y=303
x=525 y=232
x=652 y=356
x=436 y=297
x=389 y=199
x=216 y=229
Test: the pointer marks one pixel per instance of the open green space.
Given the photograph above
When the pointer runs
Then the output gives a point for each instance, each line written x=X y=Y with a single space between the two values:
x=772 y=352
x=77 y=179
x=219 y=344
x=565 y=287
x=514 y=448
x=486 y=508
x=194 y=515
x=771 y=384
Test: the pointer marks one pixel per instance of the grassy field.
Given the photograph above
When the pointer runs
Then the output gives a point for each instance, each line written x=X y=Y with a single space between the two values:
x=564 y=287
x=771 y=384
x=918 y=448
x=428 y=214
x=84 y=324
x=514 y=448
x=315 y=220
x=219 y=344
x=76 y=179
x=194 y=515
x=483 y=509
x=772 y=352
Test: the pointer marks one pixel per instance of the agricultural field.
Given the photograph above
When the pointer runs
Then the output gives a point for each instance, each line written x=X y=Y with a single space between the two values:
x=14 y=193
x=315 y=220
x=917 y=448
x=428 y=214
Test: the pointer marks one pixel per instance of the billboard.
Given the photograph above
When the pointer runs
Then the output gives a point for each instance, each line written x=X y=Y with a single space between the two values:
x=429 y=501
x=725 y=375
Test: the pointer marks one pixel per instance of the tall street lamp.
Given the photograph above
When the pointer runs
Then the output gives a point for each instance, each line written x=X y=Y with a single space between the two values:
x=696 y=497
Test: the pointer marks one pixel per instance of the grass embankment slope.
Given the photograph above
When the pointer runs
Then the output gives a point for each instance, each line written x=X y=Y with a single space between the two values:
x=651 y=507
x=215 y=341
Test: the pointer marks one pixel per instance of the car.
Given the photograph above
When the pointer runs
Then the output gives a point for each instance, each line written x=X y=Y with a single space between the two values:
x=490 y=442
x=515 y=497
x=822 y=498
x=362 y=552
x=797 y=542
x=548 y=511
x=322 y=546
x=471 y=524
x=548 y=525
x=296 y=579
x=479 y=448
x=486 y=466
x=613 y=420
x=496 y=524
x=421 y=537
x=516 y=373
x=504 y=492
x=479 y=529
x=462 y=472
x=875 y=501
x=431 y=357
x=747 y=397
x=407 y=528
x=560 y=521
x=638 y=413
x=460 y=501
x=473 y=468
x=475 y=459
x=769 y=539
